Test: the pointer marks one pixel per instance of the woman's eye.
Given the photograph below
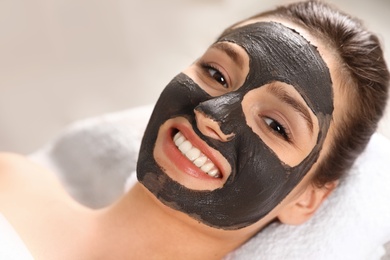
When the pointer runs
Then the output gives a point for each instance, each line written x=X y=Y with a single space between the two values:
x=215 y=74
x=276 y=127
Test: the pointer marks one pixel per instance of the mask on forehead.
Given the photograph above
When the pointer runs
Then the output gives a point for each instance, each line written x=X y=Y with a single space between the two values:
x=259 y=180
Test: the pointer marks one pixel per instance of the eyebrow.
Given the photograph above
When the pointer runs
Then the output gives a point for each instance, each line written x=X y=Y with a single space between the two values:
x=231 y=52
x=285 y=97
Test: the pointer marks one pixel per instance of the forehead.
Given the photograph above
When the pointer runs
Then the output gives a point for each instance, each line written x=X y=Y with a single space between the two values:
x=278 y=53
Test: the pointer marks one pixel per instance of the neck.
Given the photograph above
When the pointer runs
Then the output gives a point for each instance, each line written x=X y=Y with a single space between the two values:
x=141 y=227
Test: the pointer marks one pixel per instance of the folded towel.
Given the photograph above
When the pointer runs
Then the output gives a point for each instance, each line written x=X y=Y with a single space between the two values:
x=94 y=158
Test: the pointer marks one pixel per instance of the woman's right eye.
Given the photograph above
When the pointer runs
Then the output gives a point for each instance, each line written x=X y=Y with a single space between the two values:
x=215 y=74
x=277 y=128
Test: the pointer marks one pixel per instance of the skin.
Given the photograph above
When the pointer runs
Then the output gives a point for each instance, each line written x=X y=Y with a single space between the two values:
x=138 y=225
x=256 y=174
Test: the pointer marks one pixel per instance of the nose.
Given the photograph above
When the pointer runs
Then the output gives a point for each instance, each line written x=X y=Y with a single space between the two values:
x=210 y=127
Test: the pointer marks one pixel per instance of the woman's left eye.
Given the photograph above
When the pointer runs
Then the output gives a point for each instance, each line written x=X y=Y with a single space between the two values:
x=276 y=127
x=215 y=74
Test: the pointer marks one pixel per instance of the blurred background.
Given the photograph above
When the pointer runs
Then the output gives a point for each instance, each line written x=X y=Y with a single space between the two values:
x=65 y=60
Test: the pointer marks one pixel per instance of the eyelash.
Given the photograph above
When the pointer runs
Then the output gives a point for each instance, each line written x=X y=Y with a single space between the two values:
x=281 y=129
x=207 y=67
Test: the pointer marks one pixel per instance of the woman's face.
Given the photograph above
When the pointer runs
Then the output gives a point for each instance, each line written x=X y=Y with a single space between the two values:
x=237 y=131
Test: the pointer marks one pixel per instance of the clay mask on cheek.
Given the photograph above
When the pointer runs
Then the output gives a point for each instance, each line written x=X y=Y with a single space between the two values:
x=259 y=181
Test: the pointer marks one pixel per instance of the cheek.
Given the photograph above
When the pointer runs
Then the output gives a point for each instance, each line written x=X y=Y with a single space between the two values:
x=301 y=142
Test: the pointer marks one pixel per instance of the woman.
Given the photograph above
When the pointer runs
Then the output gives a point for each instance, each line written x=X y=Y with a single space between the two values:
x=241 y=138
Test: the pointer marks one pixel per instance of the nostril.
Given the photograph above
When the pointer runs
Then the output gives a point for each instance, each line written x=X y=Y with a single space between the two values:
x=210 y=127
x=211 y=133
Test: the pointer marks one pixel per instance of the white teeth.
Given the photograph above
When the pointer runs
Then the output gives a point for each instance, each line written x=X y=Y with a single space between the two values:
x=177 y=135
x=195 y=155
x=185 y=147
x=200 y=160
x=179 y=139
x=207 y=166
x=213 y=172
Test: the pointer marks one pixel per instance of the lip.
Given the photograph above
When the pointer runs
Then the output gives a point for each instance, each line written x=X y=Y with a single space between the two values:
x=178 y=166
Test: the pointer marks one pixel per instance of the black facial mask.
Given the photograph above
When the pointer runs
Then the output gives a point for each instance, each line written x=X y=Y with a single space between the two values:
x=259 y=180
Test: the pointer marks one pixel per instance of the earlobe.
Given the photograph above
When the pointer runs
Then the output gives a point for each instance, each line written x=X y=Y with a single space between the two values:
x=305 y=205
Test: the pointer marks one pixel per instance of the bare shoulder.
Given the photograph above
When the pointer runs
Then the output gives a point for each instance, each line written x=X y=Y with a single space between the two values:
x=38 y=208
x=14 y=166
x=7 y=159
x=19 y=176
x=11 y=165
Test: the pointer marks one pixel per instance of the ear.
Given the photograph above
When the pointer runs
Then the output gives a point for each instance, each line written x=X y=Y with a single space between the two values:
x=306 y=204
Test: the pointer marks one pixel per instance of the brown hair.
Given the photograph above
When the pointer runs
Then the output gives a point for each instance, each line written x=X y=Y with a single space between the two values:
x=366 y=82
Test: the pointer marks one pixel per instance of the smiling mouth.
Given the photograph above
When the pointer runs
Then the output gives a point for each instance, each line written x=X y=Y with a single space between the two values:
x=196 y=156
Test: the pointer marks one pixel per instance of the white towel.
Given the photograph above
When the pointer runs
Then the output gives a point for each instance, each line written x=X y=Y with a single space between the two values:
x=95 y=157
x=11 y=246
x=354 y=223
